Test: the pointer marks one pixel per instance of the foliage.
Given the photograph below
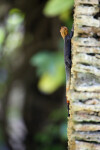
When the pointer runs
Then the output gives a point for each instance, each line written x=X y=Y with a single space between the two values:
x=54 y=133
x=14 y=26
x=11 y=38
x=15 y=18
x=57 y=7
x=2 y=35
x=50 y=68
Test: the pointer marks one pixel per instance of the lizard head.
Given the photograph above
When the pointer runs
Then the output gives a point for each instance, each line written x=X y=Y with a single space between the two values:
x=64 y=31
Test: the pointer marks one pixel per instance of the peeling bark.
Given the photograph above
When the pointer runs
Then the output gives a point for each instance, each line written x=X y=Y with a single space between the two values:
x=84 y=94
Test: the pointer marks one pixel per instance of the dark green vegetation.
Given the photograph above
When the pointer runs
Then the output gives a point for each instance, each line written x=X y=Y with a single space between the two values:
x=32 y=74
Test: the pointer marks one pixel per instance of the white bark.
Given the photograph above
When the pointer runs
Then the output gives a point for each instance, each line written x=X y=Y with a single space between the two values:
x=84 y=94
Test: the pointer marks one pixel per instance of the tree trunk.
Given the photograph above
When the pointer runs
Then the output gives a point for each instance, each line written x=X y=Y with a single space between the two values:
x=84 y=94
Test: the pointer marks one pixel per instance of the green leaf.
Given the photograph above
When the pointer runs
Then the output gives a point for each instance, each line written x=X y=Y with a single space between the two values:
x=50 y=68
x=65 y=16
x=40 y=58
x=16 y=11
x=42 y=61
x=50 y=83
x=2 y=35
x=13 y=41
x=56 y=7
x=15 y=19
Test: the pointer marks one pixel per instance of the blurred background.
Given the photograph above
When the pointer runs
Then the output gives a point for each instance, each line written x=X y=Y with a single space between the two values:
x=33 y=110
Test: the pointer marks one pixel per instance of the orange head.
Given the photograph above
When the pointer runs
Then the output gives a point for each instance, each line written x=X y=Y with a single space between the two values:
x=64 y=31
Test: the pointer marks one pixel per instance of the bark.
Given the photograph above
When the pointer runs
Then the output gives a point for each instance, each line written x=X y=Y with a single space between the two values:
x=84 y=94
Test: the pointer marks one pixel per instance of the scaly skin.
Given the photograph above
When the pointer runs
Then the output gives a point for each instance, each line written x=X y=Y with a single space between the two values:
x=67 y=57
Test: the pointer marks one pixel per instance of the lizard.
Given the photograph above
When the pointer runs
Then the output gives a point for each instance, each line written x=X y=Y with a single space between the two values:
x=67 y=57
